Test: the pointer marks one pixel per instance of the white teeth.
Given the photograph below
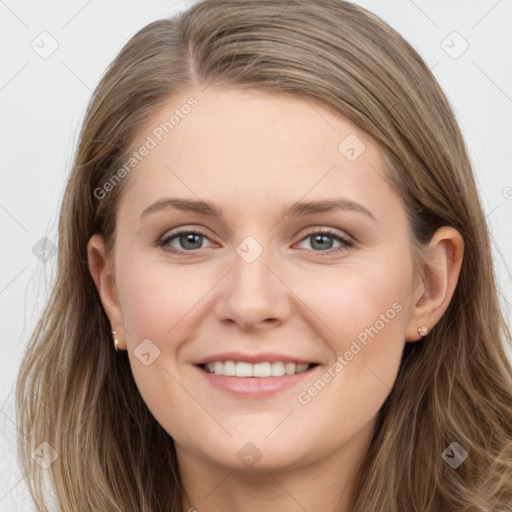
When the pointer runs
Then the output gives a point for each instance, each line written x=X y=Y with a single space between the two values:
x=262 y=370
x=243 y=369
x=289 y=368
x=229 y=368
x=277 y=369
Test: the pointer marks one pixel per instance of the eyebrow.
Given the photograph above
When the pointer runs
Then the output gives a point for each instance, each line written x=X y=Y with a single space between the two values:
x=295 y=210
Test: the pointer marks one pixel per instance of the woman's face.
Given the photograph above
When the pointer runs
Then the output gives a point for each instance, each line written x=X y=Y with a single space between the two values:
x=302 y=257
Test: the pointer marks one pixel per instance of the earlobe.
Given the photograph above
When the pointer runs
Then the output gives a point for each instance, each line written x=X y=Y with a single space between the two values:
x=439 y=280
x=105 y=284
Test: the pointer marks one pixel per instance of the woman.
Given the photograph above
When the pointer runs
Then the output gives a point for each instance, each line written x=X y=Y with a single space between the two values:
x=274 y=283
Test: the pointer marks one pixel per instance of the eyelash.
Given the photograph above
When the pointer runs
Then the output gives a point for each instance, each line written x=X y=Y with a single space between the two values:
x=346 y=244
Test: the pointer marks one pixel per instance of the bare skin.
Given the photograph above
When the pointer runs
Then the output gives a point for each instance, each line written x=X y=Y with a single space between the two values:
x=253 y=154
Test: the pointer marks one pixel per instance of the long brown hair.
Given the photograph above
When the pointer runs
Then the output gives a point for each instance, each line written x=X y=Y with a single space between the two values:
x=75 y=393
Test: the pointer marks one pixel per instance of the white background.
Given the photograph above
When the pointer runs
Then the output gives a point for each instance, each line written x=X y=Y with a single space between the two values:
x=43 y=101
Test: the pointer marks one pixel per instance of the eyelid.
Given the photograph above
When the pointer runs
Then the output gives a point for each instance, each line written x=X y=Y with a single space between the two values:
x=182 y=230
x=176 y=232
x=335 y=232
x=347 y=242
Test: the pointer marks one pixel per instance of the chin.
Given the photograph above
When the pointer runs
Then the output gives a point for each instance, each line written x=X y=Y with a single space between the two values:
x=245 y=454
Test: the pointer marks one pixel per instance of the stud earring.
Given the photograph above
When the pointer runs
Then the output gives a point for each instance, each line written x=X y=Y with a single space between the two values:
x=422 y=331
x=116 y=341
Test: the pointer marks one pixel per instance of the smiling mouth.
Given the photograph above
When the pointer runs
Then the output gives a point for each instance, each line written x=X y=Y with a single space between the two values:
x=257 y=370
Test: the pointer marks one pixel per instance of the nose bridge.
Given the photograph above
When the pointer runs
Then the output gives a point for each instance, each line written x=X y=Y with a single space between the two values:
x=252 y=292
x=250 y=273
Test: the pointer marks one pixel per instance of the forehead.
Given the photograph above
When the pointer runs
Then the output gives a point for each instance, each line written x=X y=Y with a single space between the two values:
x=237 y=146
x=244 y=120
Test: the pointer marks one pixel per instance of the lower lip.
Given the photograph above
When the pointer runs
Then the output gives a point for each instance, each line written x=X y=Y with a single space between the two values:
x=255 y=387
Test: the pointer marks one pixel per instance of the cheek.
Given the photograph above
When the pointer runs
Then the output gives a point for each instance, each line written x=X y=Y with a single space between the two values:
x=156 y=299
x=157 y=304
x=160 y=305
x=363 y=318
x=350 y=301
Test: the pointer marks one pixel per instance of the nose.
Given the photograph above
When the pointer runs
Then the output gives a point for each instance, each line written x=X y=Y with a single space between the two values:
x=253 y=296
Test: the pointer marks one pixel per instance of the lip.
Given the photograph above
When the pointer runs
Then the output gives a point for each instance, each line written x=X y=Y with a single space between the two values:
x=255 y=387
x=270 y=357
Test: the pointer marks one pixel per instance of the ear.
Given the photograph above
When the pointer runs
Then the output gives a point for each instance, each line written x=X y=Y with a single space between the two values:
x=437 y=282
x=102 y=274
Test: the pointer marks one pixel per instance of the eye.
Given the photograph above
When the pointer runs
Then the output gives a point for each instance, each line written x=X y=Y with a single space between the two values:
x=323 y=240
x=187 y=239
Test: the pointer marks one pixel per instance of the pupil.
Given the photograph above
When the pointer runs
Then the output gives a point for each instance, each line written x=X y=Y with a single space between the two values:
x=190 y=238
x=321 y=239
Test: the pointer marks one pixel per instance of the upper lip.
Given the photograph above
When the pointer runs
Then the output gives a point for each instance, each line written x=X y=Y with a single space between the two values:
x=253 y=358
